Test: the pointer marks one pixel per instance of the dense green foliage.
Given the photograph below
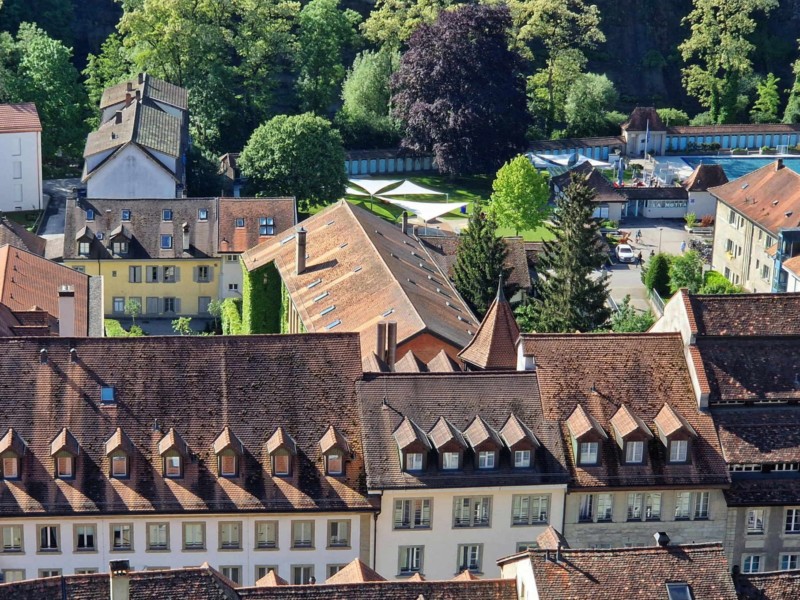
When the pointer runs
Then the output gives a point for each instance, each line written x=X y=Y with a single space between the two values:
x=792 y=112
x=261 y=300
x=231 y=316
x=298 y=156
x=589 y=102
x=480 y=261
x=458 y=91
x=114 y=328
x=686 y=271
x=716 y=283
x=673 y=116
x=520 y=194
x=569 y=296
x=765 y=108
x=629 y=320
x=655 y=274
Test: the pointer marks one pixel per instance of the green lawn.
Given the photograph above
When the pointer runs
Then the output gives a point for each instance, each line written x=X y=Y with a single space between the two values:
x=540 y=234
x=27 y=218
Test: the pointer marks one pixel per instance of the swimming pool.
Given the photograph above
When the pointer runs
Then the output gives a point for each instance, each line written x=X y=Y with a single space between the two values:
x=737 y=167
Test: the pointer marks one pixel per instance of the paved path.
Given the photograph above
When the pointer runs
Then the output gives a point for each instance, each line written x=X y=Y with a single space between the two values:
x=53 y=220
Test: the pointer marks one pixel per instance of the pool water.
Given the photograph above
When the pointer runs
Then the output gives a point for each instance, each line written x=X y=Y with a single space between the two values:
x=737 y=167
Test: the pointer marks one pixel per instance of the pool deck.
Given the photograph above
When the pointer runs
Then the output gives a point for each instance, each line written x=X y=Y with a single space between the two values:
x=682 y=169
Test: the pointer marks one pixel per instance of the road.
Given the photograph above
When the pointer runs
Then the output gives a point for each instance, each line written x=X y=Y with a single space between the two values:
x=53 y=220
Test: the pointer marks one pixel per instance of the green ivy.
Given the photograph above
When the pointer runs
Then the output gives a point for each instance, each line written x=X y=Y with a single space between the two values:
x=261 y=300
x=231 y=316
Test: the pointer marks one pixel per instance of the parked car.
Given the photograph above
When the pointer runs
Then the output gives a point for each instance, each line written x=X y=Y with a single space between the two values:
x=625 y=254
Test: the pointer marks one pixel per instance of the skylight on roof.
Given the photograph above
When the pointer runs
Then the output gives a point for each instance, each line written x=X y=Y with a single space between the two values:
x=679 y=591
x=107 y=394
x=321 y=296
x=333 y=324
x=744 y=186
x=388 y=312
x=330 y=309
x=343 y=245
x=357 y=269
x=288 y=238
x=330 y=222
x=314 y=283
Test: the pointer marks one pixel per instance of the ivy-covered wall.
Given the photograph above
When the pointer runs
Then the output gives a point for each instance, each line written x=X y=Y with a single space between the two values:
x=261 y=300
x=231 y=316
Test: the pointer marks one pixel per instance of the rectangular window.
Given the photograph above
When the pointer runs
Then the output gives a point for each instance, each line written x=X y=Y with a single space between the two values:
x=169 y=275
x=230 y=536
x=232 y=573
x=729 y=246
x=266 y=534
x=151 y=274
x=751 y=563
x=765 y=272
x=202 y=214
x=410 y=559
x=266 y=226
x=166 y=242
x=90 y=214
x=172 y=466
x=683 y=504
x=412 y=513
x=64 y=468
x=119 y=465
x=450 y=461
x=85 y=570
x=16 y=146
x=413 y=461
x=12 y=538
x=634 y=452
x=522 y=459
x=529 y=510
x=169 y=305
x=12 y=575
x=126 y=215
x=239 y=222
x=203 y=273
x=334 y=462
x=605 y=507
x=755 y=520
x=166 y=214
x=120 y=248
x=281 y=463
x=49 y=572
x=17 y=169
x=227 y=464
x=472 y=511
x=338 y=534
x=48 y=538
x=194 y=536
x=302 y=534
x=203 y=302
x=302 y=574
x=334 y=569
x=233 y=287
x=10 y=467
x=731 y=217
x=157 y=539
x=769 y=241
x=470 y=557
x=588 y=453
x=635 y=506
x=486 y=459
x=83 y=248
x=121 y=537
x=652 y=507
x=119 y=304
x=586 y=509
x=85 y=536
x=135 y=274
x=678 y=451
x=701 y=505
x=789 y=562
x=792 y=520
x=678 y=591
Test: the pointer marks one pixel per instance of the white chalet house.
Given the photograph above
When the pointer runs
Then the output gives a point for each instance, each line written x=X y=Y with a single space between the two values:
x=20 y=157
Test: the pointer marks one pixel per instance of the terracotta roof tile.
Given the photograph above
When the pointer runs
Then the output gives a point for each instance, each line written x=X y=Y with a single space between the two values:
x=279 y=214
x=551 y=539
x=494 y=344
x=64 y=442
x=571 y=144
x=601 y=372
x=640 y=572
x=94 y=586
x=765 y=196
x=173 y=441
x=670 y=422
x=466 y=575
x=444 y=432
x=793 y=265
x=458 y=397
x=442 y=363
x=354 y=572
x=777 y=585
x=119 y=441
x=281 y=440
x=515 y=431
x=369 y=270
x=580 y=423
x=485 y=589
x=16 y=235
x=745 y=314
x=408 y=433
x=271 y=579
x=643 y=118
x=674 y=192
x=333 y=439
x=479 y=432
x=12 y=441
x=705 y=176
x=739 y=128
x=410 y=364
x=624 y=423
x=19 y=118
x=227 y=439
x=757 y=435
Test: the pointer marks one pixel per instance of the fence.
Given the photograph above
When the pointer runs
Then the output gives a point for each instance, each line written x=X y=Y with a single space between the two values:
x=657 y=302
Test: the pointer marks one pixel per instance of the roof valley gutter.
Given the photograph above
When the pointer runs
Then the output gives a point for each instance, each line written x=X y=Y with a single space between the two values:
x=375 y=535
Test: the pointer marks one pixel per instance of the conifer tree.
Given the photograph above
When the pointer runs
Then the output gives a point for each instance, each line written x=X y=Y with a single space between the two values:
x=569 y=294
x=479 y=261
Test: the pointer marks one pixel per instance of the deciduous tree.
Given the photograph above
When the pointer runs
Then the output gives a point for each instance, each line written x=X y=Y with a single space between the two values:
x=686 y=271
x=765 y=108
x=589 y=101
x=520 y=195
x=673 y=116
x=391 y=23
x=792 y=112
x=295 y=156
x=629 y=320
x=107 y=68
x=459 y=93
x=479 y=262
x=569 y=294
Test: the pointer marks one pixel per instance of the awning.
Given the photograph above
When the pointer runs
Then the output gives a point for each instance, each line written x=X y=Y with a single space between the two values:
x=427 y=211
x=408 y=188
x=546 y=161
x=351 y=191
x=373 y=186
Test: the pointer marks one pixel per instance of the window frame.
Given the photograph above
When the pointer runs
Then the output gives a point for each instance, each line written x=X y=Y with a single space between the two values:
x=150 y=547
x=303 y=545
x=194 y=546
x=113 y=461
x=588 y=446
x=462 y=566
x=338 y=523
x=12 y=548
x=789 y=557
x=410 y=462
x=227 y=539
x=752 y=516
x=266 y=545
x=477 y=505
x=748 y=559
x=166 y=215
x=674 y=448
x=55 y=532
x=171 y=456
x=202 y=214
x=228 y=454
x=532 y=499
x=84 y=248
x=64 y=459
x=125 y=215
x=413 y=507
x=630 y=452
x=447 y=461
x=239 y=222
x=404 y=553
x=113 y=534
x=281 y=453
x=308 y=567
x=166 y=241
x=11 y=458
x=795 y=521
x=331 y=455
x=484 y=464
x=648 y=506
x=524 y=453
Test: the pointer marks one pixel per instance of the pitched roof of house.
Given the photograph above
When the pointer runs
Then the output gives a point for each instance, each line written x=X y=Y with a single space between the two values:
x=673 y=192
x=738 y=128
x=494 y=344
x=27 y=280
x=599 y=373
x=705 y=176
x=148 y=87
x=367 y=270
x=776 y=585
x=551 y=539
x=769 y=196
x=744 y=314
x=280 y=214
x=751 y=369
x=19 y=118
x=354 y=572
x=443 y=250
x=409 y=589
x=572 y=144
x=792 y=265
x=606 y=192
x=16 y=235
x=145 y=228
x=290 y=375
x=423 y=399
x=640 y=572
x=643 y=118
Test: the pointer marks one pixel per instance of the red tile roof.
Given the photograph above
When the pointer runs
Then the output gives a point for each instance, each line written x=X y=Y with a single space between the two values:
x=28 y=280
x=740 y=129
x=19 y=118
x=494 y=344
x=605 y=191
x=766 y=196
x=778 y=585
x=745 y=314
x=282 y=211
x=485 y=589
x=367 y=270
x=631 y=572
x=643 y=118
x=705 y=176
x=793 y=265
x=355 y=572
x=16 y=235
x=601 y=372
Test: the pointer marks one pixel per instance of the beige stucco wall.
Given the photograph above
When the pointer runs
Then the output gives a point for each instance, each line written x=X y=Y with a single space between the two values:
x=769 y=545
x=748 y=257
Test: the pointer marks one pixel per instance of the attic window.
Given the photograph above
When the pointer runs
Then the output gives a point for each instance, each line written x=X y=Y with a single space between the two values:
x=266 y=226
x=333 y=324
x=166 y=214
x=126 y=215
x=330 y=309
x=343 y=245
x=90 y=214
x=388 y=312
x=330 y=222
x=239 y=222
x=107 y=395
x=314 y=283
x=357 y=269
x=679 y=591
x=202 y=214
x=321 y=296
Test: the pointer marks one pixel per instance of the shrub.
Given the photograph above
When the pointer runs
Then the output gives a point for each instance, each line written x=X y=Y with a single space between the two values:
x=706 y=221
x=136 y=331
x=656 y=275
x=691 y=220
x=739 y=151
x=767 y=150
x=716 y=283
x=231 y=316
x=114 y=329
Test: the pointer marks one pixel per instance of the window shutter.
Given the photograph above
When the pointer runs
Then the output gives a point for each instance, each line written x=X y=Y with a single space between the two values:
x=177 y=274
x=131 y=277
x=177 y=303
x=210 y=273
x=195 y=276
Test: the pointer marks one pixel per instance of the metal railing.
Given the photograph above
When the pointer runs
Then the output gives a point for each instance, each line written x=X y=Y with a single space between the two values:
x=657 y=301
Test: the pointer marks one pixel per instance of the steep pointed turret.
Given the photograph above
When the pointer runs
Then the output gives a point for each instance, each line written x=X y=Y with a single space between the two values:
x=494 y=344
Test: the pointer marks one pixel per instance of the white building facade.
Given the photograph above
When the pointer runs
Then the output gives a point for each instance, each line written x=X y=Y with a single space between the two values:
x=20 y=158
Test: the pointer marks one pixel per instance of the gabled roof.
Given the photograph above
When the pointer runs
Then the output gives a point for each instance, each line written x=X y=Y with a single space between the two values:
x=624 y=423
x=458 y=397
x=271 y=579
x=64 y=442
x=119 y=441
x=12 y=441
x=640 y=572
x=580 y=423
x=410 y=364
x=369 y=269
x=466 y=575
x=333 y=439
x=705 y=176
x=148 y=87
x=16 y=235
x=775 y=585
x=643 y=118
x=143 y=124
x=479 y=432
x=442 y=363
x=354 y=572
x=792 y=265
x=444 y=432
x=281 y=440
x=173 y=441
x=605 y=190
x=668 y=422
x=19 y=118
x=408 y=433
x=227 y=440
x=515 y=431
x=406 y=589
x=282 y=212
x=551 y=539
x=494 y=344
x=744 y=314
x=765 y=196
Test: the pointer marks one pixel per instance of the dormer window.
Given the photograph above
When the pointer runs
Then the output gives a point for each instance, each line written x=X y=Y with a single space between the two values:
x=90 y=214
x=166 y=242
x=282 y=450
x=174 y=452
x=634 y=452
x=485 y=443
x=10 y=467
x=487 y=459
x=266 y=226
x=520 y=442
x=586 y=435
x=239 y=222
x=675 y=433
x=173 y=466
x=119 y=465
x=413 y=445
x=229 y=450
x=449 y=442
x=120 y=247
x=522 y=459
x=678 y=451
x=126 y=215
x=334 y=463
x=64 y=448
x=83 y=248
x=119 y=448
x=334 y=448
x=451 y=461
x=202 y=214
x=166 y=215
x=630 y=433
x=65 y=467
x=414 y=461
x=588 y=454
x=227 y=465
x=12 y=447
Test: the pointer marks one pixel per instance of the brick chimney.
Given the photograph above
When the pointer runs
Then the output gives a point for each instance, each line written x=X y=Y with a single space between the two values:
x=120 y=580
x=128 y=98
x=66 y=311
x=391 y=344
x=779 y=164
x=185 y=228
x=301 y=251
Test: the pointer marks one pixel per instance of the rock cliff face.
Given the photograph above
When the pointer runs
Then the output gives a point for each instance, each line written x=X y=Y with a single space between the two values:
x=92 y=23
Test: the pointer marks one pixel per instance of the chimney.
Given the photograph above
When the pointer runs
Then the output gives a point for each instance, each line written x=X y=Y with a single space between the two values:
x=118 y=117
x=405 y=222
x=128 y=98
x=141 y=78
x=137 y=95
x=301 y=251
x=391 y=344
x=779 y=164
x=661 y=537
x=120 y=581
x=415 y=231
x=66 y=311
x=380 y=341
x=129 y=86
x=185 y=228
x=558 y=552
